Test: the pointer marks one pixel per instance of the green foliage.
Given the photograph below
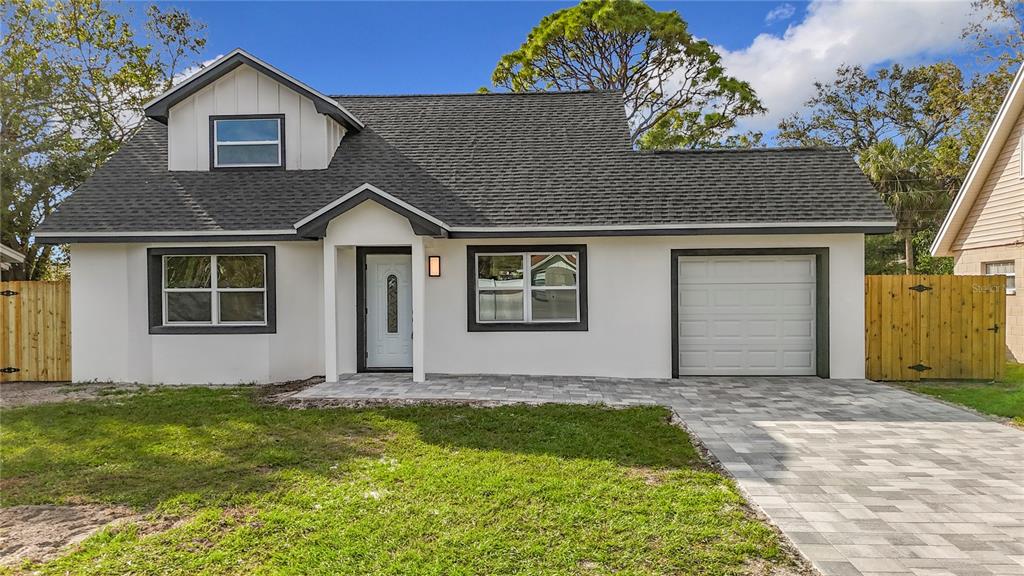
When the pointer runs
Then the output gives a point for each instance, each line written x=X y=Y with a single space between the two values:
x=75 y=76
x=665 y=74
x=883 y=254
x=692 y=129
x=414 y=490
x=858 y=109
x=906 y=181
x=924 y=262
x=906 y=127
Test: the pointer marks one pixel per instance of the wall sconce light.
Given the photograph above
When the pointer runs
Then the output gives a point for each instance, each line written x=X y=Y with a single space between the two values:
x=434 y=266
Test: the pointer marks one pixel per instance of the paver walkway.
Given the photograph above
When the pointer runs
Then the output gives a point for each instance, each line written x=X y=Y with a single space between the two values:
x=866 y=479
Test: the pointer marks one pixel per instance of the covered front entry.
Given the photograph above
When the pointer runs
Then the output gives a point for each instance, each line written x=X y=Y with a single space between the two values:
x=749 y=313
x=384 y=309
x=374 y=282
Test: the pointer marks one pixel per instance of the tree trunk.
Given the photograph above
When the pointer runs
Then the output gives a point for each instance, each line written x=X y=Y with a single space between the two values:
x=908 y=248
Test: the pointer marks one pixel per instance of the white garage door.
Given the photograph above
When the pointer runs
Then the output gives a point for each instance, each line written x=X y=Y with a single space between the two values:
x=746 y=315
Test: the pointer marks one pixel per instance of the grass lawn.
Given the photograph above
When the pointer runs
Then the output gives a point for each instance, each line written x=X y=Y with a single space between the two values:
x=412 y=490
x=1004 y=398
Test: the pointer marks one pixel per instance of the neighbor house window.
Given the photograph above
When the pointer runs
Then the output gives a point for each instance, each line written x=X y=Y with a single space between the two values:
x=527 y=288
x=1004 y=269
x=247 y=141
x=211 y=290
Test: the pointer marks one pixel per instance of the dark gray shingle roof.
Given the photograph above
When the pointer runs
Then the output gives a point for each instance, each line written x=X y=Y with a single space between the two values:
x=557 y=159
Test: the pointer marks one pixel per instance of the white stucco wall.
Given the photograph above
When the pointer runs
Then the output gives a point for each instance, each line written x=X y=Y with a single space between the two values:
x=630 y=323
x=310 y=137
x=110 y=337
x=629 y=311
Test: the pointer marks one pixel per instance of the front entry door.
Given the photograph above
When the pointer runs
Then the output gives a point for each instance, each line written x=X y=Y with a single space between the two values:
x=388 y=311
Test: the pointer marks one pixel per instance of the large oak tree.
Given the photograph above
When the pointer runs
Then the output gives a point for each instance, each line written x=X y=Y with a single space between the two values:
x=75 y=76
x=668 y=78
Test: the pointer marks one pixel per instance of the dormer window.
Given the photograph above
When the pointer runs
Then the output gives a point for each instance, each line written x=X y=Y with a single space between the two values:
x=247 y=141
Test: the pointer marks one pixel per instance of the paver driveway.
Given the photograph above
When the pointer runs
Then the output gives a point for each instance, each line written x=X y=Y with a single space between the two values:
x=864 y=478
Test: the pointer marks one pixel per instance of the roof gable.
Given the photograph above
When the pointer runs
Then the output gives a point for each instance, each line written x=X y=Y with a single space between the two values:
x=995 y=140
x=158 y=108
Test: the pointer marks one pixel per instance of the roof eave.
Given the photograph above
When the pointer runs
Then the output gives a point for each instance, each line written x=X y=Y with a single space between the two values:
x=159 y=107
x=313 y=227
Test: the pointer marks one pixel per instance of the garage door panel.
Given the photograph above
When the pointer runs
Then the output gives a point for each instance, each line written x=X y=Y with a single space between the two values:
x=693 y=328
x=762 y=359
x=798 y=359
x=797 y=329
x=747 y=315
x=728 y=269
x=728 y=329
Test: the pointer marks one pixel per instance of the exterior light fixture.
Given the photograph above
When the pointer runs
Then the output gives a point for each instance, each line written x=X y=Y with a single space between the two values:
x=434 y=266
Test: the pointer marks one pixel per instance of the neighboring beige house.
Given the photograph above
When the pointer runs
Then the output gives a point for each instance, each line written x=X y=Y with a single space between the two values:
x=984 y=230
x=9 y=257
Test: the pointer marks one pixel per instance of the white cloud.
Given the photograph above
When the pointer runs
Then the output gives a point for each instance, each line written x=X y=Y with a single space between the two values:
x=192 y=70
x=783 y=69
x=780 y=13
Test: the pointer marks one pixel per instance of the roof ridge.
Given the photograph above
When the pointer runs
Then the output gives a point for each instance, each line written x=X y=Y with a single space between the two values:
x=457 y=94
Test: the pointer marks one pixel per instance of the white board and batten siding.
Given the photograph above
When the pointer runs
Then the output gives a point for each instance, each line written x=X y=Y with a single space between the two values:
x=747 y=315
x=310 y=137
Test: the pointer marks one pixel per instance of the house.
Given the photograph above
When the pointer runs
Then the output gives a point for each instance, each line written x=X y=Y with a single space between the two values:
x=257 y=230
x=9 y=258
x=984 y=229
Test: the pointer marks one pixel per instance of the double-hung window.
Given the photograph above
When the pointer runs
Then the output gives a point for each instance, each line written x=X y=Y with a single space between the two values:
x=247 y=141
x=1004 y=269
x=527 y=288
x=211 y=290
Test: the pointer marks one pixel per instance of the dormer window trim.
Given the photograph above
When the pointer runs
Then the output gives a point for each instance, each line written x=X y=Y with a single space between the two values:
x=214 y=143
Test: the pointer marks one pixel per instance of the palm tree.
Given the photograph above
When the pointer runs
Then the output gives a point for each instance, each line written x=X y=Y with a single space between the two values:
x=906 y=180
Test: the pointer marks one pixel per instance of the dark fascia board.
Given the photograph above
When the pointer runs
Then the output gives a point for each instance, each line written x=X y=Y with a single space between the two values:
x=822 y=307
x=676 y=232
x=158 y=110
x=426 y=228
x=317 y=227
x=184 y=237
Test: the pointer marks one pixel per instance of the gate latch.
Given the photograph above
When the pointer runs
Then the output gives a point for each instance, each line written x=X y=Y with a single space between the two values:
x=994 y=329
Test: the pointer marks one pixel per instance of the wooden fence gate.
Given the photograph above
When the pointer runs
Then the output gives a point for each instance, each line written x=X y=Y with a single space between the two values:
x=935 y=327
x=35 y=331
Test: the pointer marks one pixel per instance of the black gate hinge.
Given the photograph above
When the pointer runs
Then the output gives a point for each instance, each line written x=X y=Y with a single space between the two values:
x=9 y=370
x=919 y=367
x=920 y=288
x=8 y=293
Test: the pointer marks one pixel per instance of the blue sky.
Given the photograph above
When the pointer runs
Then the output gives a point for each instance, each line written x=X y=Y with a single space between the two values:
x=430 y=47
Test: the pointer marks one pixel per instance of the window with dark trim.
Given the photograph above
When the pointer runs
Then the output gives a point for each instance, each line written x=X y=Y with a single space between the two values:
x=247 y=141
x=527 y=288
x=205 y=290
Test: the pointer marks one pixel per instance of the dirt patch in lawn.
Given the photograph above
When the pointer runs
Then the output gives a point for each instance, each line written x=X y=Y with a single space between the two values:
x=40 y=533
x=14 y=394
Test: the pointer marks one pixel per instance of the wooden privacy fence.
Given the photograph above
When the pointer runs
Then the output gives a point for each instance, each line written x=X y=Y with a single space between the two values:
x=35 y=331
x=935 y=327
